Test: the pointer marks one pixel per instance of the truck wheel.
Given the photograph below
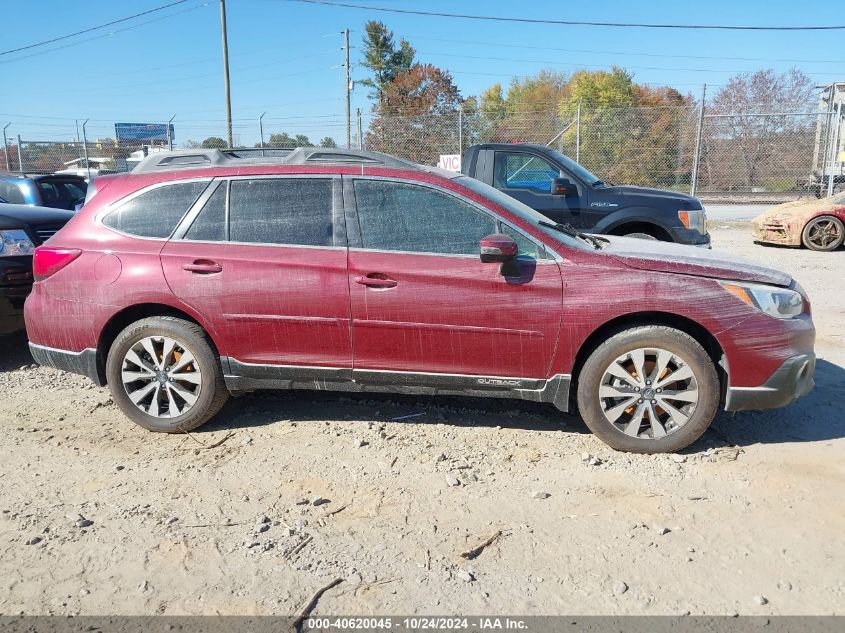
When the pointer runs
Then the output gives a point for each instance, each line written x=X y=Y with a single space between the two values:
x=649 y=389
x=640 y=236
x=164 y=375
x=823 y=233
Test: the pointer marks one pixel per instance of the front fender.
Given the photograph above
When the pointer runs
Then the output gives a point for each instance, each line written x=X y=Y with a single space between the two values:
x=639 y=215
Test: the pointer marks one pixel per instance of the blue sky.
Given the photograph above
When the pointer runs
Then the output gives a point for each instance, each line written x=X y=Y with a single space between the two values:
x=285 y=56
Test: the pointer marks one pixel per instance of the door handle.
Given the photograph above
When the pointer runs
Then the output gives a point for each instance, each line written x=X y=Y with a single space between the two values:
x=203 y=267
x=376 y=280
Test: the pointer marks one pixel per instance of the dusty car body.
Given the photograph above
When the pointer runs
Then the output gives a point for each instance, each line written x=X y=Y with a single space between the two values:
x=816 y=224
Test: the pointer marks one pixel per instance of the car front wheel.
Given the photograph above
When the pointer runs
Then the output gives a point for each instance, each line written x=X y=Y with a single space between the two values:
x=165 y=376
x=649 y=389
x=824 y=233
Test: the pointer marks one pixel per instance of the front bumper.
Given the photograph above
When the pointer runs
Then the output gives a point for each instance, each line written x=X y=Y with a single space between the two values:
x=775 y=232
x=84 y=362
x=792 y=380
x=690 y=237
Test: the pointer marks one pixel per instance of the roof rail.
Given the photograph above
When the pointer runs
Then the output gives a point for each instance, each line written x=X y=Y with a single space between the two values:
x=194 y=158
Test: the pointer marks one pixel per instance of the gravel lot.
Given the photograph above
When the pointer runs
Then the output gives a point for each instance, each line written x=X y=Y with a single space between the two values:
x=285 y=492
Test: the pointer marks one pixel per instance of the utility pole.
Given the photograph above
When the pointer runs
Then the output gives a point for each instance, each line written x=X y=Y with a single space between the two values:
x=697 y=156
x=348 y=92
x=360 y=138
x=261 y=132
x=226 y=71
x=6 y=146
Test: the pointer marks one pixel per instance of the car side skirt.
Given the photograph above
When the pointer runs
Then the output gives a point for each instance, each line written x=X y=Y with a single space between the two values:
x=250 y=377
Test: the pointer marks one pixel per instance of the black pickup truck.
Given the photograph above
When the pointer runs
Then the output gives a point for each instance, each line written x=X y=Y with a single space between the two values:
x=566 y=192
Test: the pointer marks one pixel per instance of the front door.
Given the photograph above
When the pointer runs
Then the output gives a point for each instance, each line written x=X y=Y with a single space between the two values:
x=528 y=178
x=424 y=303
x=264 y=260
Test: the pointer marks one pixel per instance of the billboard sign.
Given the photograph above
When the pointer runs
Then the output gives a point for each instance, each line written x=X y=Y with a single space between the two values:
x=142 y=132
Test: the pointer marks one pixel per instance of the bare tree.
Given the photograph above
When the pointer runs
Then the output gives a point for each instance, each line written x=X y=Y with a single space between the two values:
x=761 y=141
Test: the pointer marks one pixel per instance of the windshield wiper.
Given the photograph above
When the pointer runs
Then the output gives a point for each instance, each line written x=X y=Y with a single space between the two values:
x=571 y=231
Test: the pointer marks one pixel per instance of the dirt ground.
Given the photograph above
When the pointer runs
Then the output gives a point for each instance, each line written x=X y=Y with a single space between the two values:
x=285 y=492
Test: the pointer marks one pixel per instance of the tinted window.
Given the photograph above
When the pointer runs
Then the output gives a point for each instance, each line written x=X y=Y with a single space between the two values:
x=11 y=193
x=403 y=217
x=281 y=211
x=210 y=224
x=61 y=194
x=156 y=212
x=514 y=170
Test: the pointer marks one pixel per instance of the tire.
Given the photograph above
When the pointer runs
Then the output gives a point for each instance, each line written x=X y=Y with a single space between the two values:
x=682 y=420
x=823 y=233
x=641 y=236
x=173 y=396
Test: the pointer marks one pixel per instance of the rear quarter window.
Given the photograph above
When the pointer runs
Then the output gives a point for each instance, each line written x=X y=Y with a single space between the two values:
x=155 y=213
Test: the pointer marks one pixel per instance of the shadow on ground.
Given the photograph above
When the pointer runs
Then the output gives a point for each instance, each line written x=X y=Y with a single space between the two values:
x=816 y=417
x=14 y=352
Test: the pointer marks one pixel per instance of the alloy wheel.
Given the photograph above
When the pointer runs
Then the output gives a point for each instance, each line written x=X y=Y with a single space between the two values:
x=823 y=233
x=161 y=377
x=648 y=393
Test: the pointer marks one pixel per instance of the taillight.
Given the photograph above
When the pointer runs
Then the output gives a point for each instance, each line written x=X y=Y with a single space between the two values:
x=48 y=261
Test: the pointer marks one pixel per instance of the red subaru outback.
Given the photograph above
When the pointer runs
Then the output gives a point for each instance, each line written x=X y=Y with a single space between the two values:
x=205 y=273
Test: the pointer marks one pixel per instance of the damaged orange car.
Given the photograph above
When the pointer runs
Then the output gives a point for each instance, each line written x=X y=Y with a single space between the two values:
x=817 y=224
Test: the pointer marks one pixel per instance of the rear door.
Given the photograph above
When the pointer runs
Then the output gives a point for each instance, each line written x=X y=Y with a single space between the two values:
x=264 y=260
x=528 y=178
x=424 y=304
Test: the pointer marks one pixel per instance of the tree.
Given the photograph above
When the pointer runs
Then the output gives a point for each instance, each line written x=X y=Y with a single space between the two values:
x=418 y=117
x=328 y=141
x=767 y=146
x=214 y=142
x=527 y=113
x=383 y=58
x=283 y=139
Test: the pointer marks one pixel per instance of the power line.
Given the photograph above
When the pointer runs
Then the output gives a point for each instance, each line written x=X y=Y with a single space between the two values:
x=626 y=53
x=93 y=28
x=582 y=65
x=104 y=35
x=495 y=18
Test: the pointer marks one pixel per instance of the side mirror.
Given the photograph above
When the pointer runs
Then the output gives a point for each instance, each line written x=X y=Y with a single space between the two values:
x=563 y=187
x=498 y=248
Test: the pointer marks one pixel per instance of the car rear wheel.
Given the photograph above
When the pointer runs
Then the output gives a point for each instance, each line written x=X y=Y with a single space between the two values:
x=824 y=233
x=649 y=389
x=165 y=376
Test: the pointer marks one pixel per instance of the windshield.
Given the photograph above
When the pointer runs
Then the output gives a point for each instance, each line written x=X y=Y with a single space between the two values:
x=578 y=170
x=519 y=209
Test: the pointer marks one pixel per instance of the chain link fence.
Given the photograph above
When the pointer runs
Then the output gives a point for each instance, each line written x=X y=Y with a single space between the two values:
x=759 y=157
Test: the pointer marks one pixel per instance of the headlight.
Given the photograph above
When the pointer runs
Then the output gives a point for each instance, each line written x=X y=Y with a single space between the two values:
x=694 y=219
x=15 y=243
x=781 y=303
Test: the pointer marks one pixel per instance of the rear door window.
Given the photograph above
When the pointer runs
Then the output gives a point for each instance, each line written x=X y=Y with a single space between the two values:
x=156 y=212
x=295 y=211
x=210 y=224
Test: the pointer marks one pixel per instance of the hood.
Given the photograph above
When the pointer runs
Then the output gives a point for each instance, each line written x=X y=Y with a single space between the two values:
x=686 y=201
x=15 y=215
x=669 y=257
